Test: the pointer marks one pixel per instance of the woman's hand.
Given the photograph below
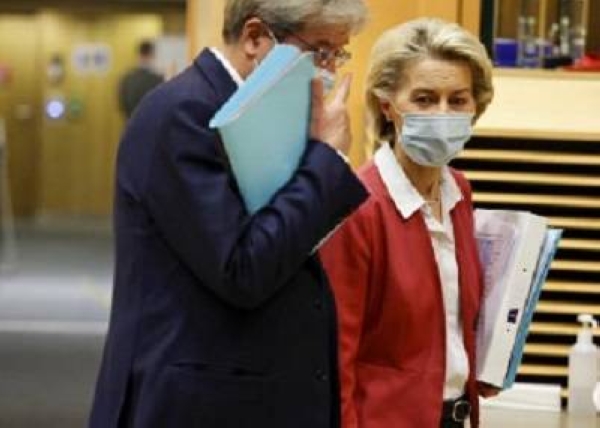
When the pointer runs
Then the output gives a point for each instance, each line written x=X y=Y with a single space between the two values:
x=487 y=390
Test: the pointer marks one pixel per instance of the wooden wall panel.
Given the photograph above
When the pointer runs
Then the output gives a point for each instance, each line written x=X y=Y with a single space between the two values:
x=545 y=104
x=470 y=15
x=66 y=167
x=204 y=22
x=78 y=152
x=18 y=101
x=447 y=9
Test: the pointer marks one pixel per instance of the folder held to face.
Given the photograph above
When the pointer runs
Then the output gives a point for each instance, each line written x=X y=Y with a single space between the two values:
x=264 y=126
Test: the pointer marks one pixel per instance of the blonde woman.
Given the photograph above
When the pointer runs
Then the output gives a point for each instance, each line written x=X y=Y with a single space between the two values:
x=404 y=267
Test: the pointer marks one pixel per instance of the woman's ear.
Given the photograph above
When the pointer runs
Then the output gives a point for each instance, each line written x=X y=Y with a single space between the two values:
x=386 y=109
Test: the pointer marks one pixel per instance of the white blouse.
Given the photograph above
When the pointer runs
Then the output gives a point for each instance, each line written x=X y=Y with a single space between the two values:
x=408 y=201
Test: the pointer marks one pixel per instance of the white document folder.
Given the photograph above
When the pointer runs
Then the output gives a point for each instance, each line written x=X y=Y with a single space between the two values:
x=510 y=243
x=264 y=125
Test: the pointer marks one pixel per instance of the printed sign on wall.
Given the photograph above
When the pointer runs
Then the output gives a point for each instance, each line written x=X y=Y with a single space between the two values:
x=91 y=58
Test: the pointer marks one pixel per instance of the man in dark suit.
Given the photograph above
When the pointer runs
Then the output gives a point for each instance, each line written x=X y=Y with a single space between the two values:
x=221 y=319
x=139 y=81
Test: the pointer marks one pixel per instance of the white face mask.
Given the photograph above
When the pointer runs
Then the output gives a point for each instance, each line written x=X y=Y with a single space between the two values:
x=435 y=139
x=328 y=79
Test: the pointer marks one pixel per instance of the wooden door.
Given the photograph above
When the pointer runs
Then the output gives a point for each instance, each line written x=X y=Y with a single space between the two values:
x=78 y=151
x=20 y=108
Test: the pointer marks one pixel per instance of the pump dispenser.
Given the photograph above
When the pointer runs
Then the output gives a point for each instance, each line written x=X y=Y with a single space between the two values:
x=584 y=369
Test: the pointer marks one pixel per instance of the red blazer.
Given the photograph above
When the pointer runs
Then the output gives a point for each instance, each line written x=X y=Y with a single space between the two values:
x=391 y=312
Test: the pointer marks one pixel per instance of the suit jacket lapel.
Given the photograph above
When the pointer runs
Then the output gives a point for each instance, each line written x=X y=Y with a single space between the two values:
x=217 y=76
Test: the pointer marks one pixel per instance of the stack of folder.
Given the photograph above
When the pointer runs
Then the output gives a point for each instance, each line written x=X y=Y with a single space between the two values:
x=516 y=250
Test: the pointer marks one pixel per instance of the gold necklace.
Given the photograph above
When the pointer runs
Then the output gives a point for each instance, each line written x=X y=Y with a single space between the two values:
x=434 y=200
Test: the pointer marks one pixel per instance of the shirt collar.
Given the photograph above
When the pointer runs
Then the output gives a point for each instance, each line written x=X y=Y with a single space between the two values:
x=404 y=195
x=228 y=66
x=451 y=194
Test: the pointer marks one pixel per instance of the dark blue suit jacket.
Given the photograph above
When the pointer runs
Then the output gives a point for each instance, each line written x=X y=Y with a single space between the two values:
x=219 y=319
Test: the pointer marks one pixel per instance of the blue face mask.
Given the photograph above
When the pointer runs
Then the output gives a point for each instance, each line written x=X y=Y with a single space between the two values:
x=435 y=139
x=328 y=79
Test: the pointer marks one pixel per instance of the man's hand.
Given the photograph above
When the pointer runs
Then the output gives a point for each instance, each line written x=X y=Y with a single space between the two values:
x=330 y=121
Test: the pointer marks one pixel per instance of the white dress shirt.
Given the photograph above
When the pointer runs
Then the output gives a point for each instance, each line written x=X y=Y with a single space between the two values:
x=228 y=66
x=408 y=201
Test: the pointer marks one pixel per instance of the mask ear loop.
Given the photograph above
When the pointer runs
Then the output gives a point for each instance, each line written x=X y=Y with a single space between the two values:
x=391 y=131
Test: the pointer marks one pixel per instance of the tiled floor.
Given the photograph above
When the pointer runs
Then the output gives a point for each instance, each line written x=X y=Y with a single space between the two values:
x=53 y=316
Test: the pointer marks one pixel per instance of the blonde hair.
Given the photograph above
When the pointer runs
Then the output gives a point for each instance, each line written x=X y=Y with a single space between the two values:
x=290 y=16
x=403 y=45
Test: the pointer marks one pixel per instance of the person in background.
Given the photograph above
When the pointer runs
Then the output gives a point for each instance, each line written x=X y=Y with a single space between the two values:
x=219 y=318
x=404 y=267
x=140 y=80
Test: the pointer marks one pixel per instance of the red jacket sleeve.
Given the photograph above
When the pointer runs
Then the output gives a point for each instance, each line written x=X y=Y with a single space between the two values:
x=346 y=257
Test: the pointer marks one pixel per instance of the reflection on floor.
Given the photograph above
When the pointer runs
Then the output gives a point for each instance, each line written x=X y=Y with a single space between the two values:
x=54 y=304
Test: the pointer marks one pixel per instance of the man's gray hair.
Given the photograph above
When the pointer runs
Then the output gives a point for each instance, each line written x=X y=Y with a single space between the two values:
x=290 y=16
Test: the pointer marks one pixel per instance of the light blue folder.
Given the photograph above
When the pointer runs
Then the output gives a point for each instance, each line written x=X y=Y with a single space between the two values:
x=264 y=125
x=543 y=267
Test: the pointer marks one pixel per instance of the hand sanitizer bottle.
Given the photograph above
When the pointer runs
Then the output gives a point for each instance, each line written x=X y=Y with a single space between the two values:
x=583 y=369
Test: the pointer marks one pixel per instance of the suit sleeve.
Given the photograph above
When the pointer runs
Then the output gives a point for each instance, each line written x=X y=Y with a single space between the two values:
x=346 y=257
x=243 y=259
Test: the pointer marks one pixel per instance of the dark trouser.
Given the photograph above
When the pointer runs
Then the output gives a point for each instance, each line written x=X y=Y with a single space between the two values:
x=451 y=424
x=454 y=413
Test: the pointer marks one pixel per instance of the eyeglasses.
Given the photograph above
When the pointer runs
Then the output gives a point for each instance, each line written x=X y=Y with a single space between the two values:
x=324 y=56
